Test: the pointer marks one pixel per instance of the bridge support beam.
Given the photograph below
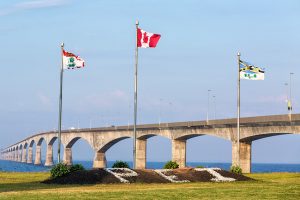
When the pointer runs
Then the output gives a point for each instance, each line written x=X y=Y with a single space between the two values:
x=29 y=159
x=141 y=146
x=24 y=155
x=49 y=155
x=68 y=156
x=37 y=160
x=20 y=155
x=99 y=160
x=245 y=156
x=179 y=152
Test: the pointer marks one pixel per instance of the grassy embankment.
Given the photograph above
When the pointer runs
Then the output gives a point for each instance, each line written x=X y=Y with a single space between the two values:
x=268 y=186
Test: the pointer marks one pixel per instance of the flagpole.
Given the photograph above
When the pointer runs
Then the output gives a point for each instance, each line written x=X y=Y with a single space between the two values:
x=60 y=104
x=238 y=110
x=135 y=96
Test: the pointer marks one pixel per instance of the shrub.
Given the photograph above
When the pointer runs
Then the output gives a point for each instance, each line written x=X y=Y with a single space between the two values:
x=59 y=170
x=236 y=169
x=62 y=169
x=76 y=167
x=120 y=164
x=199 y=166
x=171 y=165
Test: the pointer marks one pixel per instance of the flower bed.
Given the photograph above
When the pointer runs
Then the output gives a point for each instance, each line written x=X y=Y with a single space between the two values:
x=217 y=177
x=168 y=174
x=119 y=173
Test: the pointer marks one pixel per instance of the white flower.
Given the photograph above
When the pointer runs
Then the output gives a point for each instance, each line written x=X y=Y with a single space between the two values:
x=171 y=178
x=217 y=177
x=118 y=175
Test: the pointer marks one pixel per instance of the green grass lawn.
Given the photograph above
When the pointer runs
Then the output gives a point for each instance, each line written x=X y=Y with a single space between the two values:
x=267 y=186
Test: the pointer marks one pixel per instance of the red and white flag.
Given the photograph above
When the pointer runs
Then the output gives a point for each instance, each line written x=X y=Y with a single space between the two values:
x=146 y=39
x=71 y=61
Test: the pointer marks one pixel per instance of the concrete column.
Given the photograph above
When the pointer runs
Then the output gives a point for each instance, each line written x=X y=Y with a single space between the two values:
x=49 y=156
x=19 y=155
x=245 y=156
x=68 y=156
x=99 y=160
x=37 y=160
x=24 y=155
x=29 y=159
x=141 y=146
x=179 y=152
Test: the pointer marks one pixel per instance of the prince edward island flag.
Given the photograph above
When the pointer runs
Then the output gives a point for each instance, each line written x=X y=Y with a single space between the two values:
x=250 y=72
x=71 y=61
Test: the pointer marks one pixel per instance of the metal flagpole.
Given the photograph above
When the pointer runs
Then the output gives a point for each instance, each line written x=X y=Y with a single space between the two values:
x=238 y=111
x=135 y=95
x=60 y=104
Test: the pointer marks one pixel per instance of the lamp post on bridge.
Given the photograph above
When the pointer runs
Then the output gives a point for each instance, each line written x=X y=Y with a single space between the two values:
x=290 y=107
x=215 y=110
x=208 y=94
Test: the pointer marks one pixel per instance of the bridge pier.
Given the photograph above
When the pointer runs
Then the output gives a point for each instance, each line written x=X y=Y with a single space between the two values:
x=179 y=152
x=245 y=156
x=19 y=155
x=141 y=146
x=68 y=156
x=24 y=155
x=99 y=160
x=49 y=155
x=37 y=160
x=29 y=159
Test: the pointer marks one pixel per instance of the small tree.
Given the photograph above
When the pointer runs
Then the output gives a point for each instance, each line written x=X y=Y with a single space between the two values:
x=62 y=169
x=171 y=165
x=120 y=164
x=76 y=167
x=236 y=169
x=59 y=170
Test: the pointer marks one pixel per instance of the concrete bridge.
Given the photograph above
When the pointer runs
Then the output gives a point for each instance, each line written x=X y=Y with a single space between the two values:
x=101 y=139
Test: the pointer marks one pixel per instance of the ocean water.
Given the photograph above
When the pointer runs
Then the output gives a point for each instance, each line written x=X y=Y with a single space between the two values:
x=12 y=166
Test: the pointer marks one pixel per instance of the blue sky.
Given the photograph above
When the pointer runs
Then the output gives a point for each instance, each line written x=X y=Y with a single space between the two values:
x=197 y=52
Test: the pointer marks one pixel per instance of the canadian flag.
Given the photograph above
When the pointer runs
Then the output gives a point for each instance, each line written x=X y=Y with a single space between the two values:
x=71 y=61
x=146 y=39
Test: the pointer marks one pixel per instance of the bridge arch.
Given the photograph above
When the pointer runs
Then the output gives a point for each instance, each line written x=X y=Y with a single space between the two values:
x=31 y=143
x=106 y=146
x=52 y=140
x=40 y=141
x=74 y=140
x=282 y=149
x=263 y=135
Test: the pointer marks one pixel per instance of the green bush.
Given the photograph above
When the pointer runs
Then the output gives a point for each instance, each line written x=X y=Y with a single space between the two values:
x=171 y=165
x=120 y=164
x=59 y=170
x=236 y=169
x=62 y=169
x=199 y=166
x=76 y=167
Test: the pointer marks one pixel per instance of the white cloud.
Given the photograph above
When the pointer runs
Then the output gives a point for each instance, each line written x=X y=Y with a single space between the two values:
x=114 y=99
x=272 y=99
x=40 y=4
x=30 y=5
x=44 y=99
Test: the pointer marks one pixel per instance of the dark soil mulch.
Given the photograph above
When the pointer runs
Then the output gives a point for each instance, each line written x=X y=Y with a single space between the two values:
x=85 y=177
x=144 y=176
x=238 y=177
x=192 y=175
